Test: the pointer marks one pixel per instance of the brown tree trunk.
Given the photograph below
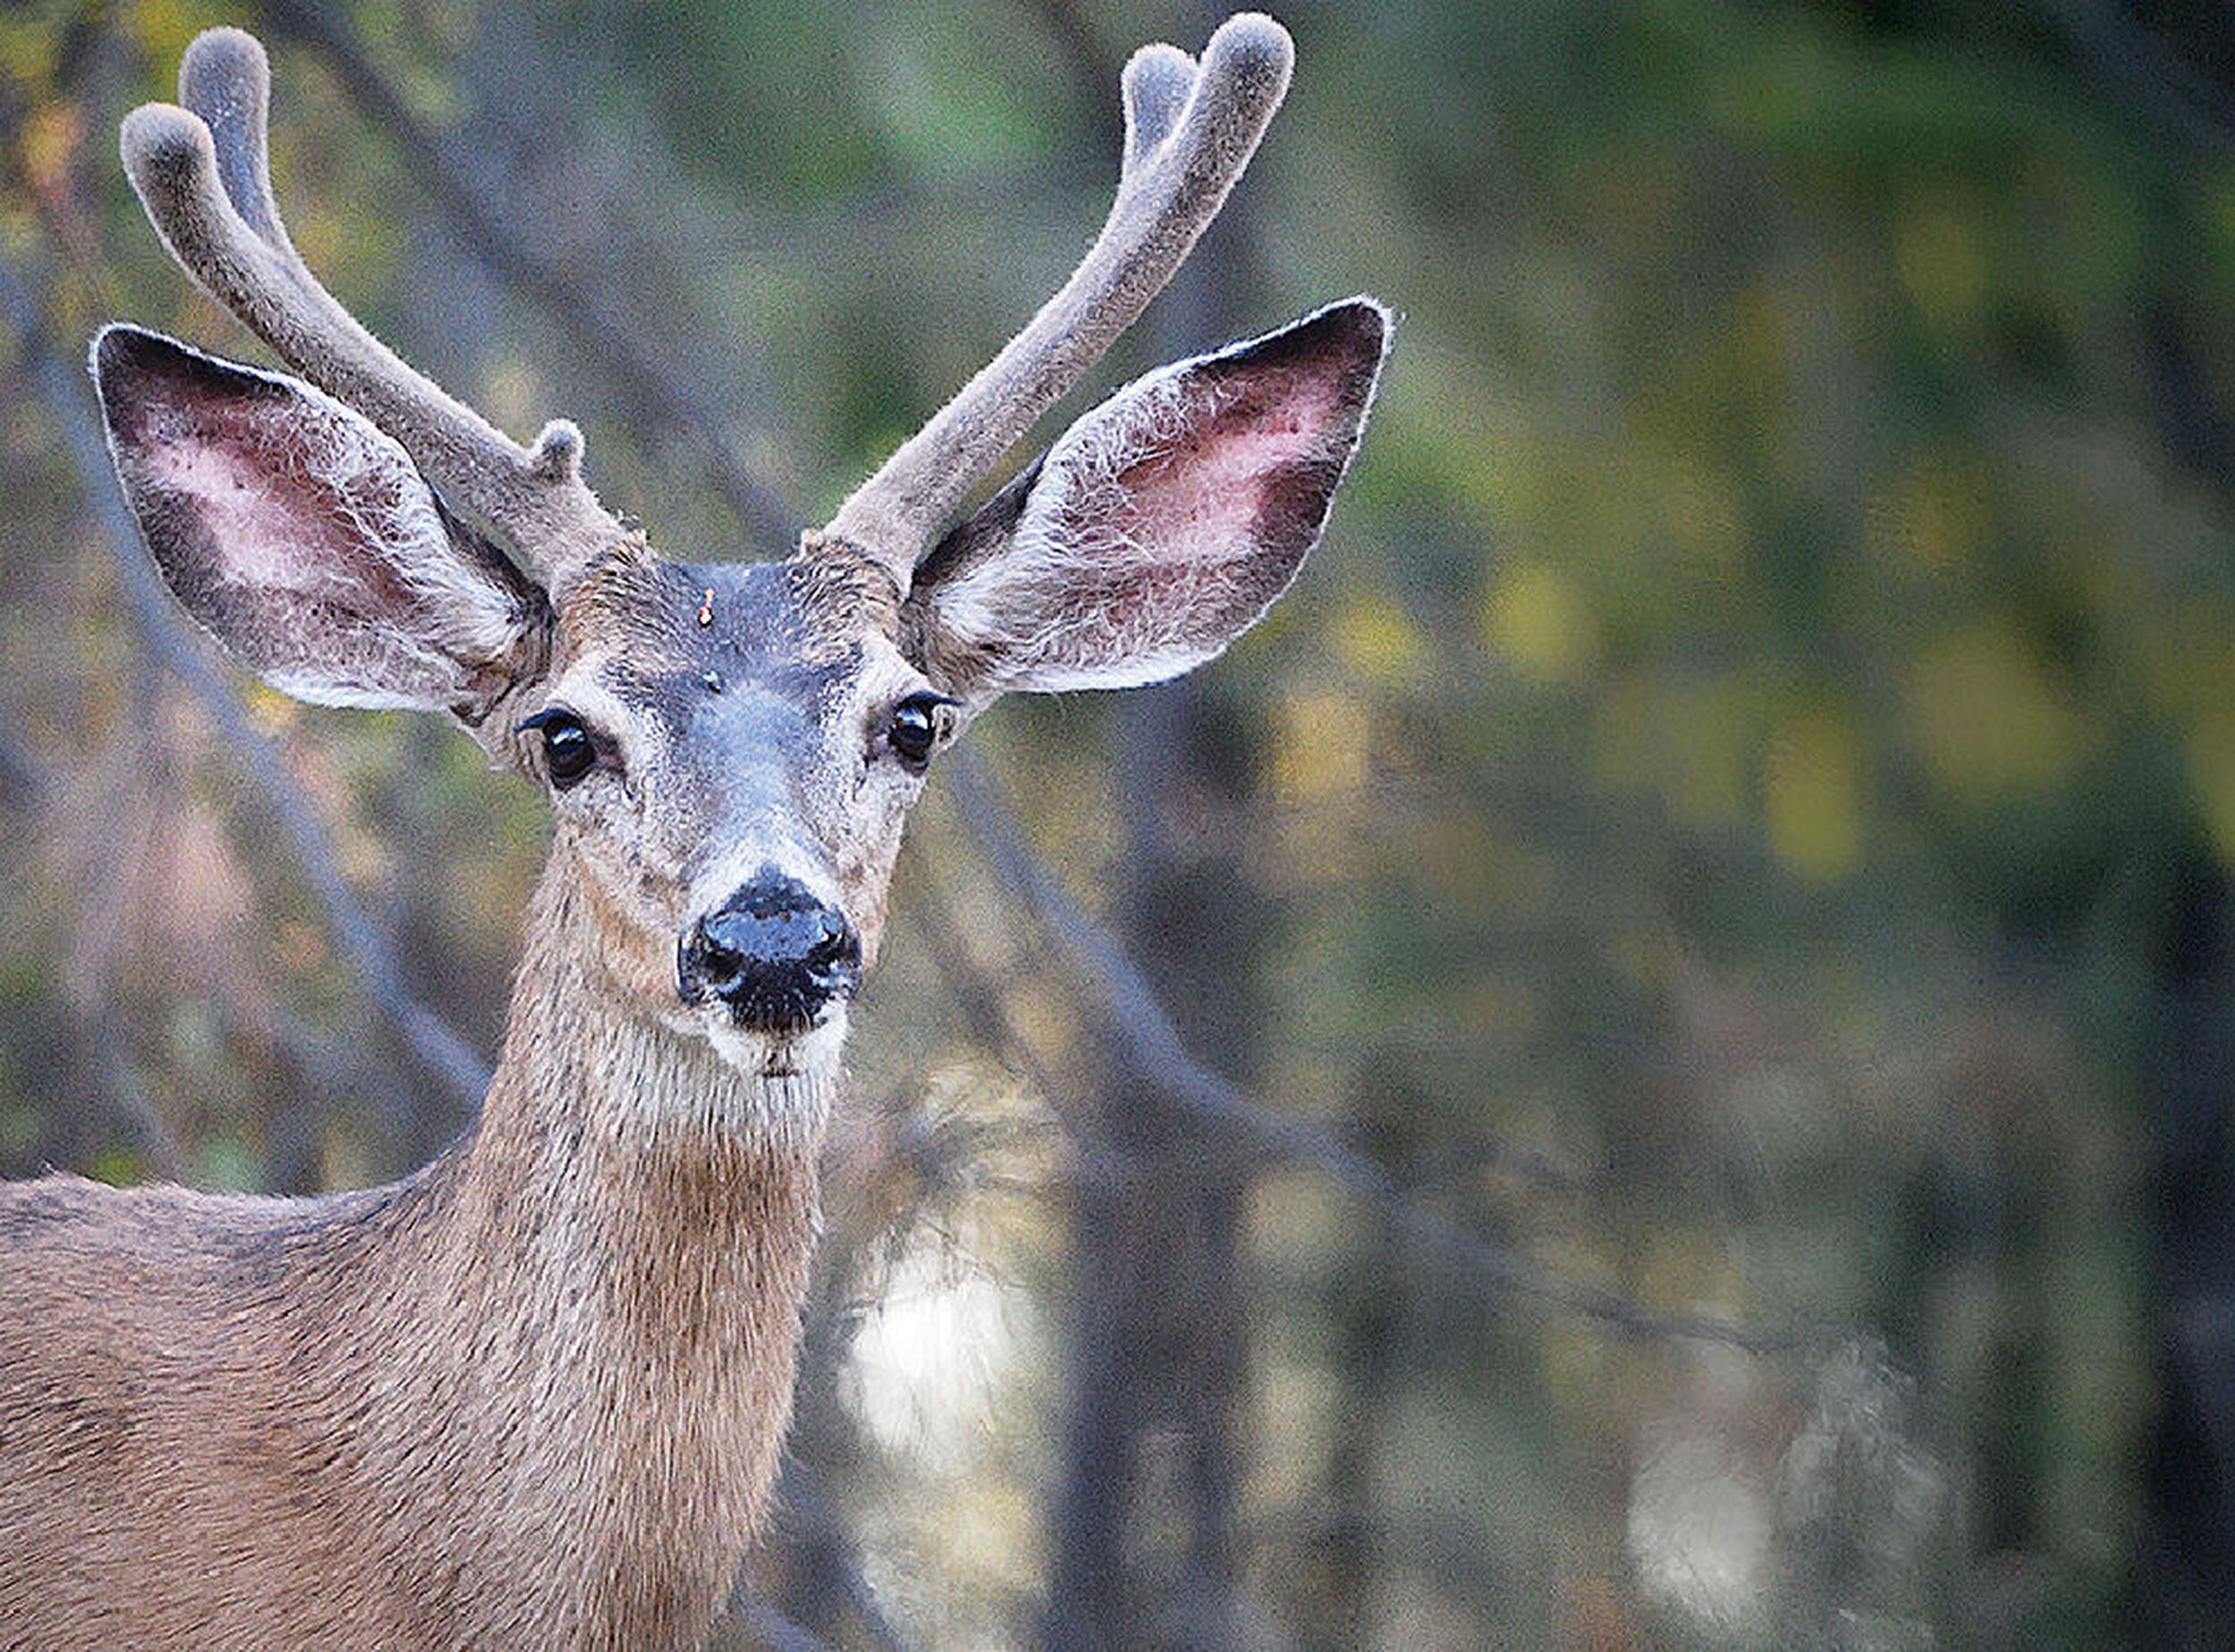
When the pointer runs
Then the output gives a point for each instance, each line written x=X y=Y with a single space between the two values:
x=1145 y=1544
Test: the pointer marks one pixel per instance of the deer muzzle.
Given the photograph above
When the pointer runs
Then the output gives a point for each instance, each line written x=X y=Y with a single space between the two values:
x=776 y=955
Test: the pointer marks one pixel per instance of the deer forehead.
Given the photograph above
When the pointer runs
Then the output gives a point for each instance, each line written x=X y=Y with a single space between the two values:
x=729 y=656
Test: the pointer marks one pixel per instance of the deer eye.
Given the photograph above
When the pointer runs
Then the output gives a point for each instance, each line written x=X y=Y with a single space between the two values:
x=569 y=751
x=917 y=723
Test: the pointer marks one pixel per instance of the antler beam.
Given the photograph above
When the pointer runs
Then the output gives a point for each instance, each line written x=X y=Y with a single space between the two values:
x=203 y=174
x=1190 y=131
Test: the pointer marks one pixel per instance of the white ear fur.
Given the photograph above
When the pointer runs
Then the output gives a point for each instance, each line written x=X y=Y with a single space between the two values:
x=1085 y=520
x=1162 y=524
x=304 y=538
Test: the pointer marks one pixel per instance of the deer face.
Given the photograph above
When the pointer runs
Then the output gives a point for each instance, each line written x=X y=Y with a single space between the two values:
x=731 y=749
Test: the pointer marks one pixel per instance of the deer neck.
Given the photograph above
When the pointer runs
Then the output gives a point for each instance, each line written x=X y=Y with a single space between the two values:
x=616 y=1153
x=585 y=1059
x=622 y=1246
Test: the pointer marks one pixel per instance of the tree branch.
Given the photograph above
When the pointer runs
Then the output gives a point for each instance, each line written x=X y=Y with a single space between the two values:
x=128 y=1101
x=485 y=225
x=778 y=1632
x=24 y=786
x=1151 y=1041
x=2153 y=83
x=364 y=949
x=796 y=1492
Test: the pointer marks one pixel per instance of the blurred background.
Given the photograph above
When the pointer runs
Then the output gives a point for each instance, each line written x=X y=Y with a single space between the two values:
x=1649 y=1062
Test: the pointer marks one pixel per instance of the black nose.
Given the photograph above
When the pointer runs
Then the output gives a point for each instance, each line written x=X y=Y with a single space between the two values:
x=773 y=953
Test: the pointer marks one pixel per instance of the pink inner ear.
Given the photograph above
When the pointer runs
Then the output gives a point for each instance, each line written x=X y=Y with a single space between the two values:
x=293 y=504
x=1196 y=495
x=1173 y=529
x=301 y=535
x=1160 y=526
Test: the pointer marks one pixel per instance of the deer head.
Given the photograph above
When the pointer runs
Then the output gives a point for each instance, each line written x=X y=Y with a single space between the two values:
x=731 y=748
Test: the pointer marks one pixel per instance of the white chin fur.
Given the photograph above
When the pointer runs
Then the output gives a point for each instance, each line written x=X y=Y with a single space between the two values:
x=811 y=1055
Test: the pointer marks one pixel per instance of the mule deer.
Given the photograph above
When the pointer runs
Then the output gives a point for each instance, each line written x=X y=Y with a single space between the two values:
x=533 y=1394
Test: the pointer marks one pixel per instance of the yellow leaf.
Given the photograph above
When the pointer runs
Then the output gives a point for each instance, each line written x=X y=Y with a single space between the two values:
x=1539 y=620
x=1324 y=745
x=1936 y=249
x=2211 y=771
x=1373 y=637
x=1810 y=796
x=1931 y=519
x=1988 y=717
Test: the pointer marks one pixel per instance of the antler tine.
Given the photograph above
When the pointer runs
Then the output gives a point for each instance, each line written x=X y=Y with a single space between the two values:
x=226 y=78
x=203 y=174
x=1190 y=131
x=1157 y=83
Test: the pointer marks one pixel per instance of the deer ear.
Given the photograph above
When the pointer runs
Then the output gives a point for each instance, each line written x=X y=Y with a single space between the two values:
x=1160 y=526
x=307 y=541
